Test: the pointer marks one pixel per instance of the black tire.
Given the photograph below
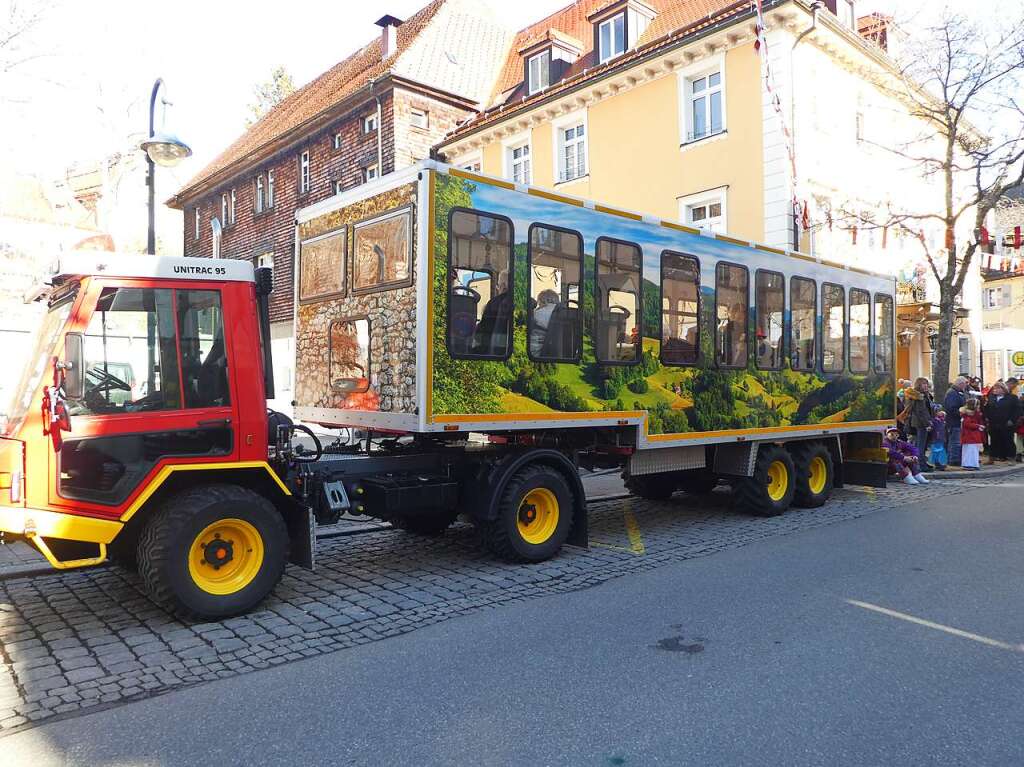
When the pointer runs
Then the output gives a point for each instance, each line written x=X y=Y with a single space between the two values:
x=805 y=456
x=166 y=543
x=432 y=523
x=751 y=494
x=503 y=536
x=697 y=482
x=652 y=487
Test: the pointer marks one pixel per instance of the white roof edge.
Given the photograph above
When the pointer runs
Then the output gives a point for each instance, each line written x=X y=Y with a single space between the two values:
x=103 y=264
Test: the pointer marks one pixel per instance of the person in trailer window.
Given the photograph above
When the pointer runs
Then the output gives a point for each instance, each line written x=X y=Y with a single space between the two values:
x=491 y=333
x=547 y=302
x=732 y=334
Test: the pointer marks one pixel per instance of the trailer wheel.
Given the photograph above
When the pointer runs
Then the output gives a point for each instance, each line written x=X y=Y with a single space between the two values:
x=814 y=474
x=213 y=551
x=652 y=487
x=534 y=516
x=770 y=491
x=428 y=523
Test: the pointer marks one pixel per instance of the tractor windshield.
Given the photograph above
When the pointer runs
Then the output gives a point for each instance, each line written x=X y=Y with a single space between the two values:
x=37 y=363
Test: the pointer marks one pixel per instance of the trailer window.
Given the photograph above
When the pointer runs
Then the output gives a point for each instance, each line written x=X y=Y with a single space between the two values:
x=322 y=266
x=349 y=350
x=383 y=252
x=860 y=330
x=131 y=355
x=833 y=320
x=680 y=305
x=204 y=361
x=732 y=297
x=618 y=301
x=883 y=333
x=555 y=271
x=803 y=306
x=770 y=304
x=480 y=284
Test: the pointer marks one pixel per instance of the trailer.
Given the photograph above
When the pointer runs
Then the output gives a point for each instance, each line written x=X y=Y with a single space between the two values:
x=484 y=340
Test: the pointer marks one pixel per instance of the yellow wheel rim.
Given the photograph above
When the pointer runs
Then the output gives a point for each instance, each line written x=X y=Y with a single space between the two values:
x=817 y=474
x=778 y=480
x=226 y=556
x=538 y=515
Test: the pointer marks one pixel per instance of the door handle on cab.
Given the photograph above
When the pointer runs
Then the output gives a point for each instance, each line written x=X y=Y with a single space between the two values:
x=214 y=422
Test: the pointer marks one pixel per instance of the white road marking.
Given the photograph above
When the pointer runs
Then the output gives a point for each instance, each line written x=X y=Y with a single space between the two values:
x=938 y=626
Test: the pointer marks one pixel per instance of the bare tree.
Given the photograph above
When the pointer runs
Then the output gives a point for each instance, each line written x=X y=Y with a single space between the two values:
x=963 y=84
x=269 y=94
x=18 y=22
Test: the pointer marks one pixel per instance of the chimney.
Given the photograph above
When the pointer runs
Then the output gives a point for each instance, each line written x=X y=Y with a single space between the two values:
x=388 y=34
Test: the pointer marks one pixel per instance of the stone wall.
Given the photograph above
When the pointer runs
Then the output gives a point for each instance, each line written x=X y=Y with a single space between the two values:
x=392 y=317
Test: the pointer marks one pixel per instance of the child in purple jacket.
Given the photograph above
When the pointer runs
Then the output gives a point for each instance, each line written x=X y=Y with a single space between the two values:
x=939 y=457
x=903 y=459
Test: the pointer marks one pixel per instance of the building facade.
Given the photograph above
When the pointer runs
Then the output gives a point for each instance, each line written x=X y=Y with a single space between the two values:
x=1002 y=292
x=379 y=110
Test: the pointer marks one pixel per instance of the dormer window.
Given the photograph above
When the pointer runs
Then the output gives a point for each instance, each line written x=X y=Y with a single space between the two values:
x=538 y=69
x=611 y=38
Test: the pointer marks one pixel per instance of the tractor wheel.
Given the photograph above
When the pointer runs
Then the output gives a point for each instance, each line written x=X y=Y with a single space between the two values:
x=652 y=487
x=430 y=523
x=212 y=552
x=814 y=474
x=770 y=491
x=534 y=516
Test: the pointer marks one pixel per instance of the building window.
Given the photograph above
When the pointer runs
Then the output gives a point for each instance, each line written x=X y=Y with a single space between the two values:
x=519 y=163
x=845 y=11
x=480 y=285
x=555 y=319
x=382 y=252
x=337 y=141
x=418 y=118
x=572 y=153
x=705 y=113
x=618 y=302
x=732 y=296
x=196 y=213
x=833 y=324
x=265 y=261
x=963 y=352
x=224 y=209
x=611 y=36
x=304 y=172
x=884 y=334
x=769 y=308
x=339 y=186
x=370 y=173
x=860 y=330
x=232 y=207
x=261 y=195
x=370 y=123
x=706 y=210
x=473 y=166
x=538 y=70
x=270 y=189
x=997 y=297
x=803 y=306
x=680 y=309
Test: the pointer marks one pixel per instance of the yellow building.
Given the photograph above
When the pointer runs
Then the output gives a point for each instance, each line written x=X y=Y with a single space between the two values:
x=1002 y=301
x=664 y=107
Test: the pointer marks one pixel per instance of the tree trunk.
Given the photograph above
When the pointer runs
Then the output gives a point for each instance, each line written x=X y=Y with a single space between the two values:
x=944 y=343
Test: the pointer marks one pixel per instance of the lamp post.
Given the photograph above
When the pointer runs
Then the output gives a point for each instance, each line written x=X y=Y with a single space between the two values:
x=161 y=148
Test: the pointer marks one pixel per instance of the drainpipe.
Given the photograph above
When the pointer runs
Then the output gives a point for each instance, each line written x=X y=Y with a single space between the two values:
x=816 y=7
x=218 y=230
x=380 y=137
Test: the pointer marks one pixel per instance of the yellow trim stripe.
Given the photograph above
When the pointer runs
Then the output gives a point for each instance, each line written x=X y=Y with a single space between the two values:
x=552 y=196
x=430 y=300
x=679 y=227
x=734 y=241
x=480 y=179
x=69 y=564
x=769 y=249
x=166 y=471
x=56 y=524
x=476 y=417
x=842 y=425
x=617 y=212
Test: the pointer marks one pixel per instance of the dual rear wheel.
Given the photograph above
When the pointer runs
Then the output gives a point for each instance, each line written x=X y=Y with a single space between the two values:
x=799 y=476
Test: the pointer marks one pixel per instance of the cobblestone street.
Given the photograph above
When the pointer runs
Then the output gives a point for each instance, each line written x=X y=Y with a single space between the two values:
x=77 y=641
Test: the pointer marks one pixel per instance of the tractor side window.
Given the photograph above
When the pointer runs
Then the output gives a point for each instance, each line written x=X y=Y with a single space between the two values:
x=349 y=346
x=803 y=306
x=131 y=355
x=883 y=333
x=860 y=330
x=618 y=304
x=770 y=303
x=732 y=296
x=555 y=319
x=204 y=360
x=833 y=320
x=680 y=326
x=480 y=284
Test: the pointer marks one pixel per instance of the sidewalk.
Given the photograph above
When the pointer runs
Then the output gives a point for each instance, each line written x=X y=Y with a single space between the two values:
x=996 y=470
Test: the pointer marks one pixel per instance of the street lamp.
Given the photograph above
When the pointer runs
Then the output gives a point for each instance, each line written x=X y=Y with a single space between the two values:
x=163 y=149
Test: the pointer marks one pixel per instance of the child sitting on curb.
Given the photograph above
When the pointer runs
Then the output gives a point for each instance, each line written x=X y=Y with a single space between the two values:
x=903 y=458
x=938 y=449
x=972 y=434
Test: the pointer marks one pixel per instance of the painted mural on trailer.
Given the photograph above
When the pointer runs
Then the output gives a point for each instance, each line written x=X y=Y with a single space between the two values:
x=723 y=388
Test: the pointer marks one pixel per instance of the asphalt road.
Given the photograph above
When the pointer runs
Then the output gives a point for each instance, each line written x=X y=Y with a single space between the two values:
x=894 y=638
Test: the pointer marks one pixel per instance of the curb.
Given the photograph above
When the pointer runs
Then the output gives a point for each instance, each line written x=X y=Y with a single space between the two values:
x=981 y=473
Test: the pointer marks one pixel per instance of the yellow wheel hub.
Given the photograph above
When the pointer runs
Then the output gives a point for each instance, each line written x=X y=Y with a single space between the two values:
x=538 y=515
x=817 y=475
x=226 y=556
x=778 y=480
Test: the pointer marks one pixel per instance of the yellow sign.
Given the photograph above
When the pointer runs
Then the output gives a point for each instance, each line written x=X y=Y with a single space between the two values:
x=1018 y=359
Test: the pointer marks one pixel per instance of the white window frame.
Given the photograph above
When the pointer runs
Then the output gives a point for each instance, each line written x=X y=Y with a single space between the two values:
x=993 y=298
x=686 y=77
x=337 y=141
x=339 y=186
x=415 y=113
x=304 y=172
x=260 y=203
x=508 y=146
x=265 y=260
x=708 y=197
x=611 y=54
x=537 y=86
x=233 y=207
x=370 y=123
x=370 y=172
x=270 y=189
x=558 y=127
x=224 y=208
x=196 y=211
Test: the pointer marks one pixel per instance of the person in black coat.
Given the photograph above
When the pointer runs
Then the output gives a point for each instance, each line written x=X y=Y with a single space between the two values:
x=1001 y=413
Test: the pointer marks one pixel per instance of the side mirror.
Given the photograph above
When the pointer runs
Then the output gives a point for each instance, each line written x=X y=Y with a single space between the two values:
x=72 y=365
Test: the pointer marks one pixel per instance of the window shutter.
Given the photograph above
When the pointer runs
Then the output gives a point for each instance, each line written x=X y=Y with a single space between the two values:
x=1007 y=292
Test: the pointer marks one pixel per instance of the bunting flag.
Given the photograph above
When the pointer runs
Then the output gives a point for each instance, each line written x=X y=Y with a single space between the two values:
x=1016 y=236
x=983 y=236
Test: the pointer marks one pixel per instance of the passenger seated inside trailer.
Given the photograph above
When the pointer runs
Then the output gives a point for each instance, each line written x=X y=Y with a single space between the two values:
x=556 y=268
x=617 y=298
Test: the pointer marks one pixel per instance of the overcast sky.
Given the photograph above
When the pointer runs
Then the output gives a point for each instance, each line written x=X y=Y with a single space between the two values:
x=88 y=89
